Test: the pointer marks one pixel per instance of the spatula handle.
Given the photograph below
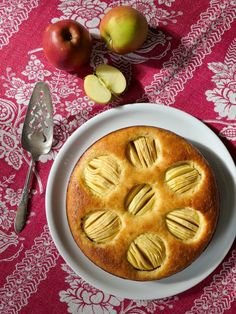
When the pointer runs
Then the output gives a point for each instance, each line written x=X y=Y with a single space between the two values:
x=21 y=213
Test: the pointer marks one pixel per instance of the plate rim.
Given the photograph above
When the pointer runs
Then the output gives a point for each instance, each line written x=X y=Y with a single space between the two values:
x=62 y=152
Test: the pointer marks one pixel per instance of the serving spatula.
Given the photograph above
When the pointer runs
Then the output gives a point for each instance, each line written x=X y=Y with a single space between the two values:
x=37 y=136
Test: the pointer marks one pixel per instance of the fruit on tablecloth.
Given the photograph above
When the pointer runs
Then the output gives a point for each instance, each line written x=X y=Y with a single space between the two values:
x=124 y=29
x=107 y=81
x=67 y=45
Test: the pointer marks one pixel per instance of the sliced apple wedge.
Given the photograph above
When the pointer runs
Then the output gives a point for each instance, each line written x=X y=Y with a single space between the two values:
x=106 y=82
x=95 y=90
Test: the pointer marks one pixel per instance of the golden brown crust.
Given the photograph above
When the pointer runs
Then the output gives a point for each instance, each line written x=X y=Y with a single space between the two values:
x=109 y=246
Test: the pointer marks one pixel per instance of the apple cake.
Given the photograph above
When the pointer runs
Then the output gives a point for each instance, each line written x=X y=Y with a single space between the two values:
x=142 y=203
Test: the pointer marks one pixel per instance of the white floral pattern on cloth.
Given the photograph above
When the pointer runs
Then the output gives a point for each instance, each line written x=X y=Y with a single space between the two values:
x=224 y=95
x=229 y=132
x=82 y=298
x=9 y=148
x=28 y=274
x=89 y=13
x=192 y=50
x=35 y=70
x=6 y=216
x=218 y=296
x=13 y=197
x=7 y=197
x=168 y=3
x=7 y=240
x=12 y=14
x=9 y=138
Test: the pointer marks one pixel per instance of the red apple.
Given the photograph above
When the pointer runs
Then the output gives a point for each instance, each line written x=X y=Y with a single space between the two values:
x=67 y=45
x=124 y=29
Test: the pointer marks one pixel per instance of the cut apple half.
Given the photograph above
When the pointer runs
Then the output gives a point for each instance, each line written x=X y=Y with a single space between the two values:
x=106 y=82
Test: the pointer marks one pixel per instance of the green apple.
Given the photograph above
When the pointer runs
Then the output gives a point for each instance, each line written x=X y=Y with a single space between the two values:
x=124 y=29
x=106 y=82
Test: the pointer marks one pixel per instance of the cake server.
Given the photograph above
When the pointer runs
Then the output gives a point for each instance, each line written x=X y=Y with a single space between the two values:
x=37 y=136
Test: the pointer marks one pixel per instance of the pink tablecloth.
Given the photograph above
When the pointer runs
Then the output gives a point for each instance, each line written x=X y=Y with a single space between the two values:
x=188 y=62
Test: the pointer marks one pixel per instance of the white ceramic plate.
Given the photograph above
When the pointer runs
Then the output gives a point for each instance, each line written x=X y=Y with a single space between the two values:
x=154 y=115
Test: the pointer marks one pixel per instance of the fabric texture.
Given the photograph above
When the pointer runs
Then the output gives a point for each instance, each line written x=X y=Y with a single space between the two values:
x=187 y=62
